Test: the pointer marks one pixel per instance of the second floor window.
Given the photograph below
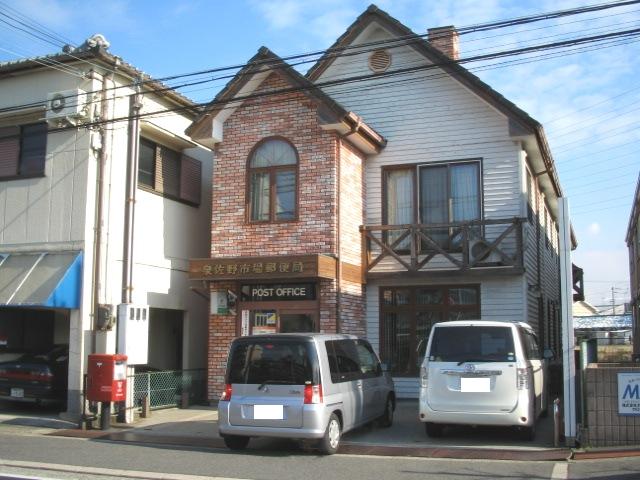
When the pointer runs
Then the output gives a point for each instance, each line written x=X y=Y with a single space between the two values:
x=23 y=150
x=272 y=182
x=168 y=172
x=446 y=193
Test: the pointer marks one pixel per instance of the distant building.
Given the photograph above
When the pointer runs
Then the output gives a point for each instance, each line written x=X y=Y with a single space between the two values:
x=633 y=242
x=608 y=329
x=583 y=308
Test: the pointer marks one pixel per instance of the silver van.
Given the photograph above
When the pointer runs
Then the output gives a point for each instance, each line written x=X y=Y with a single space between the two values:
x=482 y=373
x=305 y=386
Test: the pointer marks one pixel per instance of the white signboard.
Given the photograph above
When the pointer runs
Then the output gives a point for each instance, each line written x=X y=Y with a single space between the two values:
x=629 y=393
x=245 y=323
x=219 y=305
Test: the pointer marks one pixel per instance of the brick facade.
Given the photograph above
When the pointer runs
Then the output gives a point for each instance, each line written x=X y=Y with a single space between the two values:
x=330 y=192
x=293 y=117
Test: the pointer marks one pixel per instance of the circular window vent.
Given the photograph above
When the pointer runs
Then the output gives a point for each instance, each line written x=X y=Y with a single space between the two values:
x=379 y=61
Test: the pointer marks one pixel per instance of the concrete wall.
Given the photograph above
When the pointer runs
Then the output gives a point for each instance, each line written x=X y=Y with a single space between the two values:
x=604 y=425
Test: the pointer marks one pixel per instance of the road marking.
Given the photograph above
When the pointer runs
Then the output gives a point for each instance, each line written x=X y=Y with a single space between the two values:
x=108 y=471
x=560 y=471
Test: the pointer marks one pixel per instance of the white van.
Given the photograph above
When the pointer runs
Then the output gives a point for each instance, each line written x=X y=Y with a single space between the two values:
x=480 y=372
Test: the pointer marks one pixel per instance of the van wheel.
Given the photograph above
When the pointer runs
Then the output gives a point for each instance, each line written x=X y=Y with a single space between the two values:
x=434 y=430
x=331 y=440
x=386 y=420
x=236 y=442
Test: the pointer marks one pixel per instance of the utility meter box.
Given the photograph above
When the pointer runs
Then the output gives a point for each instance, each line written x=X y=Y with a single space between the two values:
x=107 y=378
x=133 y=332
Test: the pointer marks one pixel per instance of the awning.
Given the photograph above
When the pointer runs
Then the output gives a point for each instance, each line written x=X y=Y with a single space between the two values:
x=41 y=279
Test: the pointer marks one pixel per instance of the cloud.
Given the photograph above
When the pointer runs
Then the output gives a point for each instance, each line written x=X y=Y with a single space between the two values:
x=281 y=14
x=594 y=228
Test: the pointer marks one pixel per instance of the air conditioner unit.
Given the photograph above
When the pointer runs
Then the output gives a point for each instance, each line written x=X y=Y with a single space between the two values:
x=67 y=106
x=479 y=252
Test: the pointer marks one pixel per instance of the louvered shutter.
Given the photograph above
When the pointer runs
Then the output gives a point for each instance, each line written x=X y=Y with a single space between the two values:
x=9 y=151
x=33 y=149
x=190 y=180
x=168 y=171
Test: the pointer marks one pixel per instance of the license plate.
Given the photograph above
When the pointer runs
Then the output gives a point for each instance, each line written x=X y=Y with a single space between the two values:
x=17 y=392
x=475 y=385
x=268 y=412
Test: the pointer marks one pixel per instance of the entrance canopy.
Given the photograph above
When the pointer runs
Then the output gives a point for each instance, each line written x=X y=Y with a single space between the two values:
x=41 y=279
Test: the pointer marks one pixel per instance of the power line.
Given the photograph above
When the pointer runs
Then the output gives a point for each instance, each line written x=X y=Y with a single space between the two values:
x=407 y=70
x=397 y=41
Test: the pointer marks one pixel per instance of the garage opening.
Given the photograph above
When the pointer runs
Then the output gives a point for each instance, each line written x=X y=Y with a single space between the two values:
x=34 y=359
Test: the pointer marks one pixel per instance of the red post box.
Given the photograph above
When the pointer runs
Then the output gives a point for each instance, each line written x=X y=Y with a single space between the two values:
x=107 y=378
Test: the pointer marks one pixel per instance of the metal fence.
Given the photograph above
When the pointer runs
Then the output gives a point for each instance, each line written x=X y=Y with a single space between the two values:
x=169 y=388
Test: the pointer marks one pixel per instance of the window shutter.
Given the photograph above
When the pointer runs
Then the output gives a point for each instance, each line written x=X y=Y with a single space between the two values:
x=168 y=171
x=190 y=180
x=9 y=151
x=33 y=150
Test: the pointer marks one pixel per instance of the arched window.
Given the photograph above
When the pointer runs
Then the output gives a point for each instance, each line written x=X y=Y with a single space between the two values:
x=272 y=182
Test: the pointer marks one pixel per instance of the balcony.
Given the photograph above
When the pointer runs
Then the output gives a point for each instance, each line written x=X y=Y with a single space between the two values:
x=475 y=247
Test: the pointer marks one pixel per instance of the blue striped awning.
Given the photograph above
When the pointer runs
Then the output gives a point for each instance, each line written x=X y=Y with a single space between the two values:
x=41 y=279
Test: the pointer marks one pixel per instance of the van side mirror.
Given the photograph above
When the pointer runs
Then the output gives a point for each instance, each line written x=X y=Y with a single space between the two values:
x=548 y=354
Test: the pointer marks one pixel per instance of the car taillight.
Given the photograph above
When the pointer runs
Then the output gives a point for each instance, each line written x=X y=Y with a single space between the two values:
x=44 y=376
x=424 y=377
x=522 y=379
x=312 y=394
x=226 y=395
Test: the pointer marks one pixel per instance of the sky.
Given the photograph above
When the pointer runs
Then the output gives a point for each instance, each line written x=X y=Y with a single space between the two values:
x=587 y=99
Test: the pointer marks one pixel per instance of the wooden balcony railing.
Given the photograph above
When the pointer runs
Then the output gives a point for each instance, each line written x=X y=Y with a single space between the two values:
x=464 y=246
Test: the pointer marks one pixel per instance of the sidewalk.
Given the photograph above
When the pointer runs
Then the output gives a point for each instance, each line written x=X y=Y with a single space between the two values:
x=196 y=427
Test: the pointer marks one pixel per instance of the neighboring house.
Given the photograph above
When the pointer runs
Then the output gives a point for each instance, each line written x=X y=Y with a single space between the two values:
x=584 y=309
x=607 y=329
x=99 y=207
x=378 y=207
x=633 y=242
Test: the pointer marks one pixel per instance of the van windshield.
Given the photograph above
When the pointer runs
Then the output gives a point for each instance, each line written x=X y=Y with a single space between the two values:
x=472 y=344
x=271 y=362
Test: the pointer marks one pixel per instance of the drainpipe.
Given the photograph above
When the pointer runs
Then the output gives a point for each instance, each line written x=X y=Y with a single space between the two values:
x=130 y=199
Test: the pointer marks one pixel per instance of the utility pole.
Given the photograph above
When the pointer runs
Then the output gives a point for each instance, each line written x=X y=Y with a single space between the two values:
x=613 y=301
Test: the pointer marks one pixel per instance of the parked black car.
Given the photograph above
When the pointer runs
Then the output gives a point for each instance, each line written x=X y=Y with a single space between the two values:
x=36 y=377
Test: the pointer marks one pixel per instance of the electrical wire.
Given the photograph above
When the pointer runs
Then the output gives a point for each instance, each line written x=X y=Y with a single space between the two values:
x=400 y=41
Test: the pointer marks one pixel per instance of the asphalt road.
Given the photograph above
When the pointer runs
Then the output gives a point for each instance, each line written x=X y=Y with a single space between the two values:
x=30 y=453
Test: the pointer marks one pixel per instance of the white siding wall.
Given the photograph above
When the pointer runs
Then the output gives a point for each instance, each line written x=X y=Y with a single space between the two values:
x=51 y=209
x=428 y=117
x=166 y=234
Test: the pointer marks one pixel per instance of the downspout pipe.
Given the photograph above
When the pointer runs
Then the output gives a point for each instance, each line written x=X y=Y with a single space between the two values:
x=135 y=105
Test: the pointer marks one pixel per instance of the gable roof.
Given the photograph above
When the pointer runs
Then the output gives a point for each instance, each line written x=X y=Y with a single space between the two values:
x=101 y=54
x=265 y=61
x=520 y=121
